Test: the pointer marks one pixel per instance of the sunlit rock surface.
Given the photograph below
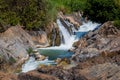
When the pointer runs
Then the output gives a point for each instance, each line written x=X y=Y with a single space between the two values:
x=103 y=40
x=14 y=43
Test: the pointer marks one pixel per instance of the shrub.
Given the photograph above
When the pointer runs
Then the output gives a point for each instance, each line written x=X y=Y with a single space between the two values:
x=30 y=50
x=76 y=5
x=103 y=10
x=12 y=60
x=117 y=23
x=29 y=13
x=34 y=14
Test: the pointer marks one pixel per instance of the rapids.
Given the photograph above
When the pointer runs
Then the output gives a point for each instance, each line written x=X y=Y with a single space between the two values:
x=62 y=50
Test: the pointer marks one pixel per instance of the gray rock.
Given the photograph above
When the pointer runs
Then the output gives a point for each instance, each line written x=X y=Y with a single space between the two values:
x=106 y=71
x=14 y=42
x=106 y=38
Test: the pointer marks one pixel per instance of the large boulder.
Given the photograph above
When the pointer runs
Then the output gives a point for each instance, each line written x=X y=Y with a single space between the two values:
x=39 y=38
x=14 y=43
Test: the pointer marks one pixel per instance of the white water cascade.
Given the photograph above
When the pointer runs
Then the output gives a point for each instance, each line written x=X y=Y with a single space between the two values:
x=32 y=64
x=68 y=39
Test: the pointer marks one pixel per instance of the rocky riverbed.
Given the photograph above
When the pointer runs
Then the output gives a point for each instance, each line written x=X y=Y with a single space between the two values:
x=96 y=55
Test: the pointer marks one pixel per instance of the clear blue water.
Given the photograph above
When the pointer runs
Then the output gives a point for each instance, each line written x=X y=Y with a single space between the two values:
x=55 y=53
x=80 y=34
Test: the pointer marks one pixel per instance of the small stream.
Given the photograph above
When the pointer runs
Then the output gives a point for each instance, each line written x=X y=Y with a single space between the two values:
x=61 y=51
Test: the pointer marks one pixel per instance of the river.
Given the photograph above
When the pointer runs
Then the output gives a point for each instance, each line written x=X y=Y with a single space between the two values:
x=61 y=51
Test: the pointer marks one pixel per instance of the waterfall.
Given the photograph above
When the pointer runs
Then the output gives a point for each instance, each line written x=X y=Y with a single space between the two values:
x=68 y=37
x=89 y=26
x=67 y=40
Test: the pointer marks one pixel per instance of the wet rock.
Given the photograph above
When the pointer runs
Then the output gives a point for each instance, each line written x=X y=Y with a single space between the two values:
x=106 y=38
x=57 y=38
x=80 y=44
x=53 y=34
x=74 y=19
x=39 y=57
x=68 y=27
x=58 y=60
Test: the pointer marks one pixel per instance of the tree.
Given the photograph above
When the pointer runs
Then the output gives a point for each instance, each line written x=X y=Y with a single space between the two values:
x=29 y=13
x=103 y=10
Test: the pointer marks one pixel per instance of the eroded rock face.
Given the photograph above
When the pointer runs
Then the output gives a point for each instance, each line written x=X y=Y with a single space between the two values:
x=53 y=34
x=104 y=40
x=14 y=42
x=39 y=38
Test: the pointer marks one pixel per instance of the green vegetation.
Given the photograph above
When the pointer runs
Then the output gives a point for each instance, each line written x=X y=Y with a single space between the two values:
x=117 y=23
x=29 y=13
x=12 y=60
x=29 y=51
x=35 y=14
x=76 y=5
x=103 y=10
x=68 y=6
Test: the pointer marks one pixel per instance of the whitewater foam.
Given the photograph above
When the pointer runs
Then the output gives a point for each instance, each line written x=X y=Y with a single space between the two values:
x=32 y=64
